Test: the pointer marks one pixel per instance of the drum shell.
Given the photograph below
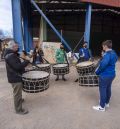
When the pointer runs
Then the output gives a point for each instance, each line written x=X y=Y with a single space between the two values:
x=35 y=85
x=85 y=70
x=89 y=80
x=60 y=70
x=44 y=68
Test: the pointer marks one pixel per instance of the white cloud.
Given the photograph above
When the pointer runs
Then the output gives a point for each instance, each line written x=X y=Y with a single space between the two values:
x=5 y=15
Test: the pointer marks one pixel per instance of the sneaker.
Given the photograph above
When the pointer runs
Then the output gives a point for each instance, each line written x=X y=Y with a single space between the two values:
x=107 y=105
x=23 y=112
x=98 y=108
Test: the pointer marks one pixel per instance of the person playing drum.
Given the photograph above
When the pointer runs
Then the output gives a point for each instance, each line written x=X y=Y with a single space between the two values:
x=84 y=54
x=15 y=69
x=60 y=59
x=38 y=56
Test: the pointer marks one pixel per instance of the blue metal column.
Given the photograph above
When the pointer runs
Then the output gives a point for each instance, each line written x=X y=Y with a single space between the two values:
x=51 y=25
x=17 y=23
x=27 y=25
x=88 y=24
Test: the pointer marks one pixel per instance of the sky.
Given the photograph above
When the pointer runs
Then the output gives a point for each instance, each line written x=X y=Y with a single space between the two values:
x=5 y=15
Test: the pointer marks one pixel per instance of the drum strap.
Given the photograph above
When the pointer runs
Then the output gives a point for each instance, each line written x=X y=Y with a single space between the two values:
x=46 y=60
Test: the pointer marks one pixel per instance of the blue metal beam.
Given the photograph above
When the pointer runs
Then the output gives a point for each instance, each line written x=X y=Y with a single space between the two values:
x=88 y=24
x=25 y=28
x=28 y=39
x=51 y=25
x=54 y=29
x=17 y=23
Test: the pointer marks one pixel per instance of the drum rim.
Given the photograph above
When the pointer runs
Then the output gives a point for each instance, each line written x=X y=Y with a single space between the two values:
x=92 y=63
x=60 y=63
x=35 y=78
x=43 y=66
x=85 y=66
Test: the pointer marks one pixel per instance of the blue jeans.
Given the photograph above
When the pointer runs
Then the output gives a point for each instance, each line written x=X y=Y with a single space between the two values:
x=105 y=89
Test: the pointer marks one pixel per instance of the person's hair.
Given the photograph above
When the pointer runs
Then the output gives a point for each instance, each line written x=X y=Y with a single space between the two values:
x=107 y=43
x=24 y=52
x=85 y=42
x=11 y=43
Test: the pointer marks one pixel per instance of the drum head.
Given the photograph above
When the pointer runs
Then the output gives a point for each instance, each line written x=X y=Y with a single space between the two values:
x=43 y=65
x=60 y=65
x=35 y=74
x=30 y=68
x=84 y=64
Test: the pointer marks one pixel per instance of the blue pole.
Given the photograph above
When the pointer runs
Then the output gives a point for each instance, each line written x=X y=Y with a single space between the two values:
x=51 y=25
x=17 y=23
x=25 y=24
x=30 y=26
x=88 y=24
x=28 y=39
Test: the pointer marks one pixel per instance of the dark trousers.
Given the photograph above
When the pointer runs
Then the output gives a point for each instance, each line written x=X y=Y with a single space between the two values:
x=17 y=94
x=105 y=89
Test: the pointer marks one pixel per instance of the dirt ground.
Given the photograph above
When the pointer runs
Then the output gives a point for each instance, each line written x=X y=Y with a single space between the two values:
x=65 y=105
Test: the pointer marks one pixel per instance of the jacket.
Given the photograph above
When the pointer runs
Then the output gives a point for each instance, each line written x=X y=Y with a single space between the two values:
x=84 y=53
x=14 y=66
x=106 y=65
x=60 y=56
x=38 y=56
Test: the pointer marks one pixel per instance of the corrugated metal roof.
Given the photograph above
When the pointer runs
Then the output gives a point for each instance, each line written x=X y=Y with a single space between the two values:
x=115 y=3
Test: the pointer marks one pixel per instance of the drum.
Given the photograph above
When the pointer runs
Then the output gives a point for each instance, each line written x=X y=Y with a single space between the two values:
x=35 y=81
x=85 y=67
x=89 y=80
x=44 y=67
x=60 y=69
x=30 y=68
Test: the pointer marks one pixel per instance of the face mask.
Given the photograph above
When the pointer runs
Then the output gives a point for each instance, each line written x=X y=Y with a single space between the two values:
x=61 y=47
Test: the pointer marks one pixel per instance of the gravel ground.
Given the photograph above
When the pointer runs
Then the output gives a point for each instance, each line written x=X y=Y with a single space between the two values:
x=65 y=105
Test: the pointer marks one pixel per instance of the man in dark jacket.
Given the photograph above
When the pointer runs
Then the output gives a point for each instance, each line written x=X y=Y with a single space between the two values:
x=15 y=69
x=106 y=72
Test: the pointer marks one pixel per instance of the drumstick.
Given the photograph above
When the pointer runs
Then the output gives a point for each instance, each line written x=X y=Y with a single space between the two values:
x=30 y=62
x=46 y=60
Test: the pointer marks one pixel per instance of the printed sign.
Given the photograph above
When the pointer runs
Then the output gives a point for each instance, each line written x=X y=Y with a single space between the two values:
x=49 y=49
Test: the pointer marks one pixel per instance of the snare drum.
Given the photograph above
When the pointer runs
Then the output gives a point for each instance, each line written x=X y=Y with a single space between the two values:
x=35 y=81
x=89 y=80
x=44 y=67
x=60 y=69
x=85 y=67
